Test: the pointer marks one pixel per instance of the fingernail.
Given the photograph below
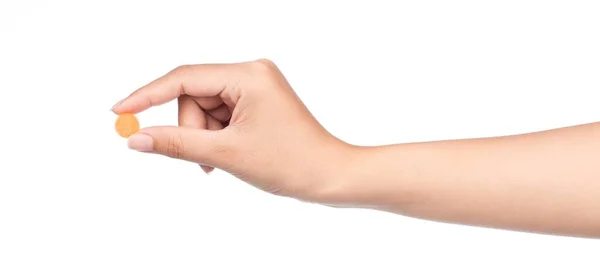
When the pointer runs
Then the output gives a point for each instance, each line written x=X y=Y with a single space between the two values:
x=140 y=142
x=116 y=105
x=206 y=169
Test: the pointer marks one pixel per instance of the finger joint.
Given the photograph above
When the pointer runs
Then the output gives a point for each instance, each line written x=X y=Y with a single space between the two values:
x=175 y=147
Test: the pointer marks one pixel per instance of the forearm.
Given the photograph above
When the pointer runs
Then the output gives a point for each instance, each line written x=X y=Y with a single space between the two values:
x=546 y=182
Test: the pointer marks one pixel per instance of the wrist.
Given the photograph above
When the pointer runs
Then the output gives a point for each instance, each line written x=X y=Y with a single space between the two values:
x=346 y=184
x=369 y=177
x=336 y=189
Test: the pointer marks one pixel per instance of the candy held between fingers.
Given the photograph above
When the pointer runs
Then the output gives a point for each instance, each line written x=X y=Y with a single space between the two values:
x=126 y=125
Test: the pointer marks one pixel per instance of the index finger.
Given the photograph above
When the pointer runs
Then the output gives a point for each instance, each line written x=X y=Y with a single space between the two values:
x=204 y=80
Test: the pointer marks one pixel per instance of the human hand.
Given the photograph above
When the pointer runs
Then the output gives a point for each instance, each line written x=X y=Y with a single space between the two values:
x=246 y=119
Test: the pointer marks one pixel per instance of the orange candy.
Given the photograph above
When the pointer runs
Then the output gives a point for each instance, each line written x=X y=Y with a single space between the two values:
x=127 y=125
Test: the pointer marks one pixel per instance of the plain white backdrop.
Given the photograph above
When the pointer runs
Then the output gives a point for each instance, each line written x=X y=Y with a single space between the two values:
x=76 y=203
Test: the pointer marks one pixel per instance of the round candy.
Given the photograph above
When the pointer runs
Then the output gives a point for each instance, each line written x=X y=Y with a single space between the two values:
x=127 y=125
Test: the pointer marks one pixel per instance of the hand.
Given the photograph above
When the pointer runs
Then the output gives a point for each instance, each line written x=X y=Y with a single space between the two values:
x=246 y=119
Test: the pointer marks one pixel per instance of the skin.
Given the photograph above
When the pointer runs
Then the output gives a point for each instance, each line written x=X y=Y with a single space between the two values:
x=244 y=118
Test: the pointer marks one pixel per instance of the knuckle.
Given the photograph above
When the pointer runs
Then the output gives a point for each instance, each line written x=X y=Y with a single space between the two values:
x=235 y=90
x=264 y=64
x=175 y=148
x=181 y=69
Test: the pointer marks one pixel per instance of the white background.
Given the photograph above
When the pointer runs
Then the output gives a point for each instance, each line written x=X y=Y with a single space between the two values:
x=76 y=203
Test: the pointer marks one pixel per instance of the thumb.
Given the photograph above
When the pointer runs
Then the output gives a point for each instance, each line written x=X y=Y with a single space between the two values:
x=185 y=143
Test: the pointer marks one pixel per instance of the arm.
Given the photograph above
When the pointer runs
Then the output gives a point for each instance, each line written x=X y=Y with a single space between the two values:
x=244 y=118
x=546 y=182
